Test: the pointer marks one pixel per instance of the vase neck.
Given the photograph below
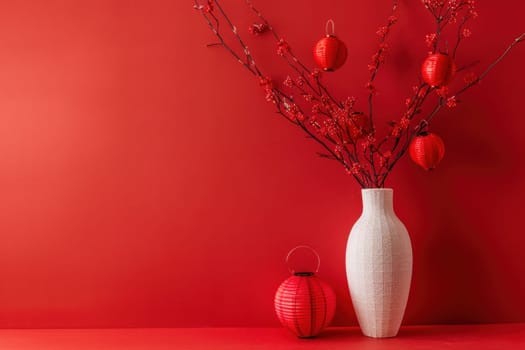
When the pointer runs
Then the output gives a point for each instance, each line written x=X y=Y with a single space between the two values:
x=375 y=199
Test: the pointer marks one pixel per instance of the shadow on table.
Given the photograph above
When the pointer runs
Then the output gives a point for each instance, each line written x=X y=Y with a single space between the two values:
x=340 y=333
x=429 y=331
x=406 y=332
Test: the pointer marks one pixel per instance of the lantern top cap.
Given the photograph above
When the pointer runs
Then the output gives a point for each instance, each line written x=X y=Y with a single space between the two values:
x=304 y=274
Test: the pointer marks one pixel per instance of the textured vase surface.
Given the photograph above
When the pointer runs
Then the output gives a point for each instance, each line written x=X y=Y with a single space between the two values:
x=379 y=265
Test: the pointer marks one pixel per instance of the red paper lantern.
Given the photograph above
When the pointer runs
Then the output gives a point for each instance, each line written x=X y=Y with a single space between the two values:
x=427 y=150
x=330 y=53
x=358 y=126
x=438 y=70
x=361 y=121
x=304 y=303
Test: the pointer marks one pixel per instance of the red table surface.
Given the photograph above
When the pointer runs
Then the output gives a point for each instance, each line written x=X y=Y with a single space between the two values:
x=479 y=337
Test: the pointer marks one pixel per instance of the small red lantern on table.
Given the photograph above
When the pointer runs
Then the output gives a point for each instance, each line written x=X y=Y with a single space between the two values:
x=303 y=302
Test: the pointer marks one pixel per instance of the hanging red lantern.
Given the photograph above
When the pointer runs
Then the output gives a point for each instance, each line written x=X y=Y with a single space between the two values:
x=438 y=70
x=362 y=122
x=330 y=53
x=427 y=150
x=304 y=303
x=358 y=126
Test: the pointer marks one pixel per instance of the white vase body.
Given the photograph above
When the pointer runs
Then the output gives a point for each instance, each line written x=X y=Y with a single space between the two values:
x=379 y=265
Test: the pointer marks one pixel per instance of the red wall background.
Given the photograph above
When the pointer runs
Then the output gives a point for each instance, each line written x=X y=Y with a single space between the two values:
x=145 y=181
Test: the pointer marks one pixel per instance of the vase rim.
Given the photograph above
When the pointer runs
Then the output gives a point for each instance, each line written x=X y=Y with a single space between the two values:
x=377 y=190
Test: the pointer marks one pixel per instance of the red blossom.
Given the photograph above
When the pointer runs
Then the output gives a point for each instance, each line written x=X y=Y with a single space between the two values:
x=410 y=111
x=466 y=33
x=316 y=73
x=282 y=47
x=354 y=132
x=349 y=102
x=378 y=58
x=288 y=82
x=354 y=169
x=316 y=108
x=271 y=97
x=433 y=5
x=431 y=39
x=382 y=31
x=392 y=20
x=328 y=128
x=299 y=81
x=209 y=7
x=365 y=144
x=294 y=112
x=371 y=87
x=472 y=8
x=266 y=82
x=404 y=123
x=257 y=28
x=396 y=131
x=308 y=97
x=380 y=160
x=452 y=102
x=470 y=78
x=340 y=116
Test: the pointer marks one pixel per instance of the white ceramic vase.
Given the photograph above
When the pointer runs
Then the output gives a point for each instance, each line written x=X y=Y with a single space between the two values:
x=379 y=265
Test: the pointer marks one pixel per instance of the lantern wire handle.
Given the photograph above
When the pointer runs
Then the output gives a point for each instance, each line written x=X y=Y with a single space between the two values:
x=292 y=271
x=332 y=23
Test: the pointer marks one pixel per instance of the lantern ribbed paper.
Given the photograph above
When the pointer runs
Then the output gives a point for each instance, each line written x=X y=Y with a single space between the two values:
x=330 y=53
x=438 y=70
x=427 y=150
x=303 y=302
